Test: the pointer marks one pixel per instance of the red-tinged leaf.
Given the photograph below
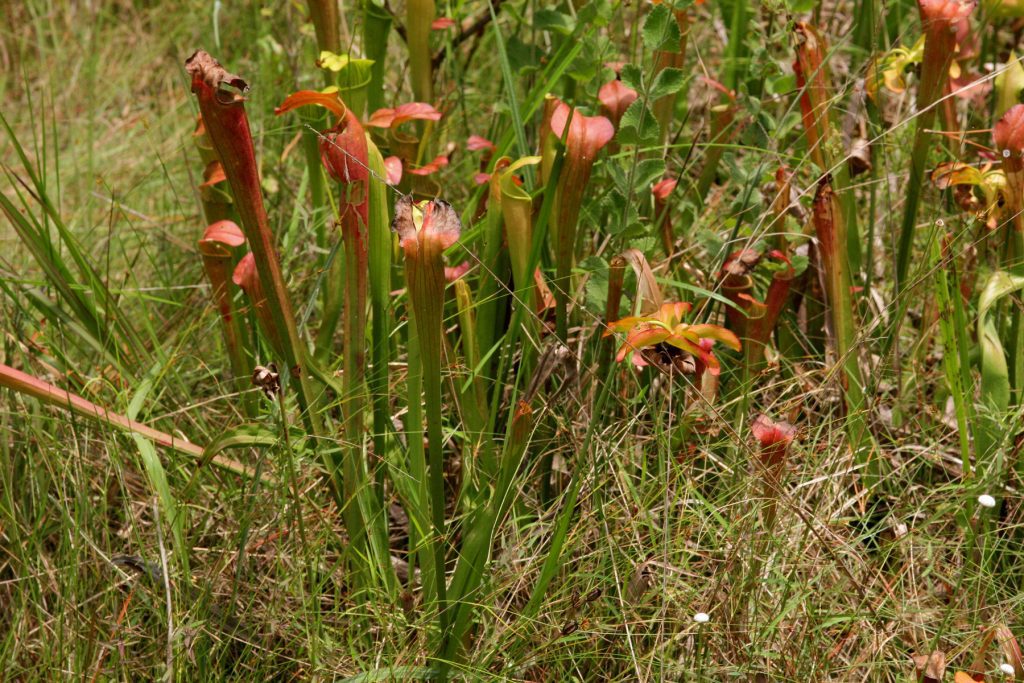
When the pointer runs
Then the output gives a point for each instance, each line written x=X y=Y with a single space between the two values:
x=389 y=118
x=345 y=155
x=442 y=23
x=245 y=275
x=476 y=143
x=453 y=273
x=220 y=235
x=330 y=101
x=948 y=12
x=435 y=165
x=716 y=332
x=213 y=174
x=642 y=336
x=393 y=166
x=481 y=178
x=1009 y=138
x=437 y=223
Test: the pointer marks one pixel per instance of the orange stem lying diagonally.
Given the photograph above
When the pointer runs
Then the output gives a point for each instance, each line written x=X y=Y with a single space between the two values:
x=22 y=383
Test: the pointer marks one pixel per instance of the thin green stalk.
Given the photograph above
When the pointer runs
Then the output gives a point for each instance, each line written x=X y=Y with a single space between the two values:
x=472 y=396
x=735 y=48
x=376 y=29
x=380 y=243
x=955 y=344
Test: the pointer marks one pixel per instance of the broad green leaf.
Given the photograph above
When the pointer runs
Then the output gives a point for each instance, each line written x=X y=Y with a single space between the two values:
x=1009 y=84
x=995 y=374
x=174 y=518
x=552 y=20
x=633 y=76
x=242 y=436
x=668 y=82
x=660 y=30
x=638 y=126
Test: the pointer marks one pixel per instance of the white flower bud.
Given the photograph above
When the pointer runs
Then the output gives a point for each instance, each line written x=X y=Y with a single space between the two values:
x=986 y=501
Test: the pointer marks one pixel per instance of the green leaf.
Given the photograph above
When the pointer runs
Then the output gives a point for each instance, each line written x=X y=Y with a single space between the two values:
x=242 y=436
x=597 y=13
x=801 y=6
x=393 y=673
x=633 y=76
x=668 y=82
x=522 y=56
x=551 y=20
x=588 y=64
x=660 y=30
x=995 y=374
x=174 y=518
x=596 y=284
x=1008 y=86
x=646 y=173
x=638 y=126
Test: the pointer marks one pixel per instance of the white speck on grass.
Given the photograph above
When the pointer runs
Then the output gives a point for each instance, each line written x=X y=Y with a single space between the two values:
x=701 y=617
x=1007 y=669
x=986 y=501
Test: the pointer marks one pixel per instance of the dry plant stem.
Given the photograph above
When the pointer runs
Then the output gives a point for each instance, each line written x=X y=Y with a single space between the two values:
x=324 y=14
x=418 y=16
x=224 y=115
x=22 y=383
